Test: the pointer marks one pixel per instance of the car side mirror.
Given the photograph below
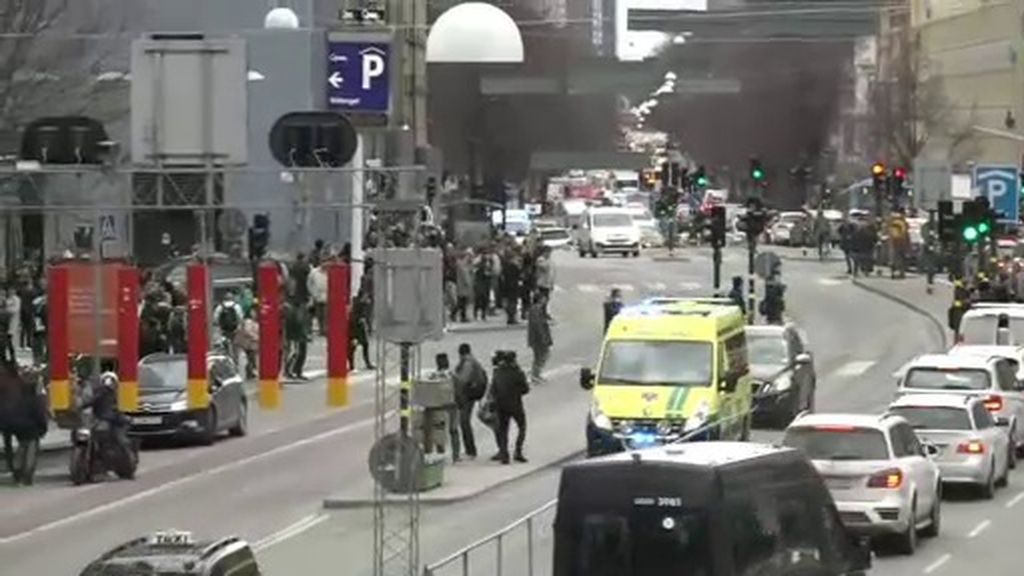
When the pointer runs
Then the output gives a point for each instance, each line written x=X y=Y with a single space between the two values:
x=1002 y=422
x=586 y=378
x=861 y=552
x=729 y=382
x=929 y=450
x=803 y=358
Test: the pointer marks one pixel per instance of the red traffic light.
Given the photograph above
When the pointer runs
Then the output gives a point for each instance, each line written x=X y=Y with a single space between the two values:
x=899 y=173
x=878 y=169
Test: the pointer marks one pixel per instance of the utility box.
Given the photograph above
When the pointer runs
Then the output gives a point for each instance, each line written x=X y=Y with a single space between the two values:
x=408 y=294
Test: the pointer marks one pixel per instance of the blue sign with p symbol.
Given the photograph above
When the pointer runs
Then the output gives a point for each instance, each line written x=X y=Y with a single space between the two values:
x=1001 y=185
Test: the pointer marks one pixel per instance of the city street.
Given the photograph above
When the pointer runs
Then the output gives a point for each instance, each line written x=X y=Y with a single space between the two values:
x=269 y=487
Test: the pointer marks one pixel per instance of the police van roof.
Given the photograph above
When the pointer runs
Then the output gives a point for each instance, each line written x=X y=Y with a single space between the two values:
x=699 y=454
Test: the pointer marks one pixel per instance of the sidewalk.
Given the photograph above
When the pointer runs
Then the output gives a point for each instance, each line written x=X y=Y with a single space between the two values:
x=911 y=292
x=554 y=436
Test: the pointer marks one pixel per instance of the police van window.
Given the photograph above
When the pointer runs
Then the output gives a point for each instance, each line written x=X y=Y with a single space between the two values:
x=238 y=563
x=651 y=540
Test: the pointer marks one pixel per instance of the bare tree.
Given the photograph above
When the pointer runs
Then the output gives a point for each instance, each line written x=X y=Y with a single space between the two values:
x=57 y=57
x=911 y=109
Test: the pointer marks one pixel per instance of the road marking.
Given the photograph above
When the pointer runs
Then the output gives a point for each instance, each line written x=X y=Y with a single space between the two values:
x=303 y=525
x=588 y=288
x=216 y=470
x=1015 y=500
x=937 y=564
x=692 y=286
x=830 y=282
x=852 y=369
x=979 y=528
x=625 y=287
x=657 y=286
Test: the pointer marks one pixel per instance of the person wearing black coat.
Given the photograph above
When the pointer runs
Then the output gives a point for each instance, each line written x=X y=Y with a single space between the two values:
x=509 y=385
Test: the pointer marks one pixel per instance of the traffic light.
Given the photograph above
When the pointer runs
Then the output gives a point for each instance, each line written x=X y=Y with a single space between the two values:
x=946 y=221
x=899 y=177
x=701 y=177
x=717 y=225
x=259 y=236
x=757 y=173
x=674 y=174
x=977 y=222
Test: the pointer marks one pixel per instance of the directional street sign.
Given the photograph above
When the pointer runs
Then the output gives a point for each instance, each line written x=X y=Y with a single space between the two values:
x=1001 y=185
x=359 y=76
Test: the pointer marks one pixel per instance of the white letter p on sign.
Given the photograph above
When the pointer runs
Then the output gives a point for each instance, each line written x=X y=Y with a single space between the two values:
x=373 y=67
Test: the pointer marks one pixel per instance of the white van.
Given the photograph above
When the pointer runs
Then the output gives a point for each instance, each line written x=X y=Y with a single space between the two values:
x=608 y=230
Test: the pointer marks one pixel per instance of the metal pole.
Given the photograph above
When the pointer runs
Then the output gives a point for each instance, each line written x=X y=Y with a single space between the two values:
x=499 y=554
x=717 y=266
x=97 y=285
x=529 y=546
x=405 y=377
x=751 y=300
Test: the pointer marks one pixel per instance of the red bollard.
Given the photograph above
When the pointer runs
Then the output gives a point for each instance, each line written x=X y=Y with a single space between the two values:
x=269 y=287
x=128 y=339
x=338 y=296
x=59 y=350
x=197 y=280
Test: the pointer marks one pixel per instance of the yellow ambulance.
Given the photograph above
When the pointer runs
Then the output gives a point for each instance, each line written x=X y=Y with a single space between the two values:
x=670 y=372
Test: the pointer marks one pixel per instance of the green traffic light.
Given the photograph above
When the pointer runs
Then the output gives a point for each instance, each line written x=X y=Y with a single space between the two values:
x=758 y=174
x=984 y=228
x=971 y=233
x=702 y=181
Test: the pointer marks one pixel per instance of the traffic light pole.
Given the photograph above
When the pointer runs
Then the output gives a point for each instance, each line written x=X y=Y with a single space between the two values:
x=751 y=300
x=717 y=257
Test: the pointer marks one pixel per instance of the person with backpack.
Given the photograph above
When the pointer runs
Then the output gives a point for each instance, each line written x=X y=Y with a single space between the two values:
x=470 y=380
x=229 y=316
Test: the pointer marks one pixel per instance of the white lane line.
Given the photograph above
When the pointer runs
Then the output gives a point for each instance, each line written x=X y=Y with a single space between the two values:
x=588 y=288
x=693 y=286
x=938 y=563
x=855 y=368
x=226 y=467
x=657 y=286
x=1015 y=500
x=307 y=523
x=979 y=528
x=830 y=282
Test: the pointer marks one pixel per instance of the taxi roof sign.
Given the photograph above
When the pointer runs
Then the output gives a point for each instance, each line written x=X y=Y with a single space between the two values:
x=172 y=538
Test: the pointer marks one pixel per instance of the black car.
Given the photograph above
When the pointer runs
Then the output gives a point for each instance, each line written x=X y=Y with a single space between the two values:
x=783 y=371
x=163 y=408
x=177 y=553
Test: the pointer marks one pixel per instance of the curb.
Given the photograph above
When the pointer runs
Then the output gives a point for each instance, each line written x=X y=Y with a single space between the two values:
x=457 y=329
x=424 y=498
x=936 y=323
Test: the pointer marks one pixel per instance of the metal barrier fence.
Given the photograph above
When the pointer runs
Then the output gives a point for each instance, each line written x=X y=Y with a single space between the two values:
x=528 y=538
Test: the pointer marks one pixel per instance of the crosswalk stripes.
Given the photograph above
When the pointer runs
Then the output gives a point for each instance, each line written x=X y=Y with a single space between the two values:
x=657 y=286
x=588 y=288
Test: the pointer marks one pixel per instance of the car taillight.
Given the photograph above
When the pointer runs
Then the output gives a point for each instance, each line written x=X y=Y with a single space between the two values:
x=971 y=447
x=994 y=403
x=891 y=478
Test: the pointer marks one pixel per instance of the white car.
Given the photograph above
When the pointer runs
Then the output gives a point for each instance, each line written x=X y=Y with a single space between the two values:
x=789 y=229
x=990 y=377
x=968 y=446
x=608 y=230
x=881 y=477
x=555 y=238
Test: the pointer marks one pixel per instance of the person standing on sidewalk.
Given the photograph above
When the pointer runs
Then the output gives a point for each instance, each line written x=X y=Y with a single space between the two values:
x=612 y=306
x=510 y=386
x=538 y=336
x=318 y=291
x=296 y=333
x=470 y=386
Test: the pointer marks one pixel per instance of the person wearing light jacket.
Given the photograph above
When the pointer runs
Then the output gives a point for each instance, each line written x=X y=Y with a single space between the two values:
x=317 y=285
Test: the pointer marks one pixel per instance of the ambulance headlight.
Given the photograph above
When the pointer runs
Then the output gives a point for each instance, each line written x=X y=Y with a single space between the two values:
x=598 y=418
x=699 y=418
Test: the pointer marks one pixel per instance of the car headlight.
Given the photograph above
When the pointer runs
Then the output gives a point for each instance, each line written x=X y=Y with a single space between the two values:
x=599 y=418
x=699 y=418
x=179 y=406
x=780 y=384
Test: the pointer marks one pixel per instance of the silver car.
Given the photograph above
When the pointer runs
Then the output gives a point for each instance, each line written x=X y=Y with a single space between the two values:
x=968 y=447
x=882 y=480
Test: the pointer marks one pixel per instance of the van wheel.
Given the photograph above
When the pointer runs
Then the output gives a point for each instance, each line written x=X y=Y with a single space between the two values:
x=906 y=543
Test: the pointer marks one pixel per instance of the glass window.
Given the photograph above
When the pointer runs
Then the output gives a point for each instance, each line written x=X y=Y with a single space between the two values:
x=907 y=436
x=984 y=329
x=935 y=417
x=1006 y=374
x=649 y=541
x=982 y=417
x=838 y=443
x=163 y=375
x=736 y=353
x=612 y=221
x=935 y=379
x=767 y=350
x=648 y=363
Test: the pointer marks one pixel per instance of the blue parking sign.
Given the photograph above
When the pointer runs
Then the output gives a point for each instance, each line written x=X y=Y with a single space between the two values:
x=359 y=76
x=1001 y=185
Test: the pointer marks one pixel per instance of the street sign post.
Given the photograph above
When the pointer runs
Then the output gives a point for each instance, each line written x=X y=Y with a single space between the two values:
x=359 y=75
x=1000 y=184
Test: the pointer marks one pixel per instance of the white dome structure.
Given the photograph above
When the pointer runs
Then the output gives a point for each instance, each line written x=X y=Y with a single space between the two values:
x=281 y=19
x=475 y=32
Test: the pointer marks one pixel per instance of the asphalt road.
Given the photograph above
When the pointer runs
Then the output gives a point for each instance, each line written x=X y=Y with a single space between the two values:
x=268 y=487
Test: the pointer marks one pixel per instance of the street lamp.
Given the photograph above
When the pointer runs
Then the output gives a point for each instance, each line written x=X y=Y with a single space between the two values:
x=281 y=18
x=475 y=32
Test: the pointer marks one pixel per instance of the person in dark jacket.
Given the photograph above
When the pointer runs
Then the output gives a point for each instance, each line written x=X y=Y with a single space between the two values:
x=509 y=387
x=23 y=416
x=511 y=279
x=538 y=337
x=612 y=306
x=296 y=333
x=736 y=293
x=359 y=329
x=470 y=386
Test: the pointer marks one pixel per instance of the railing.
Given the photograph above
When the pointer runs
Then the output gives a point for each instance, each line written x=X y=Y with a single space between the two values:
x=534 y=526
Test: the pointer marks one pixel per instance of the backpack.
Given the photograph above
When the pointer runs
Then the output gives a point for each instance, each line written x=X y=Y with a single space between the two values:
x=228 y=319
x=478 y=388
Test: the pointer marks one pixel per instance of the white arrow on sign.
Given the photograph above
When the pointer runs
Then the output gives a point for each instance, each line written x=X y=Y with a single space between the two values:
x=336 y=80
